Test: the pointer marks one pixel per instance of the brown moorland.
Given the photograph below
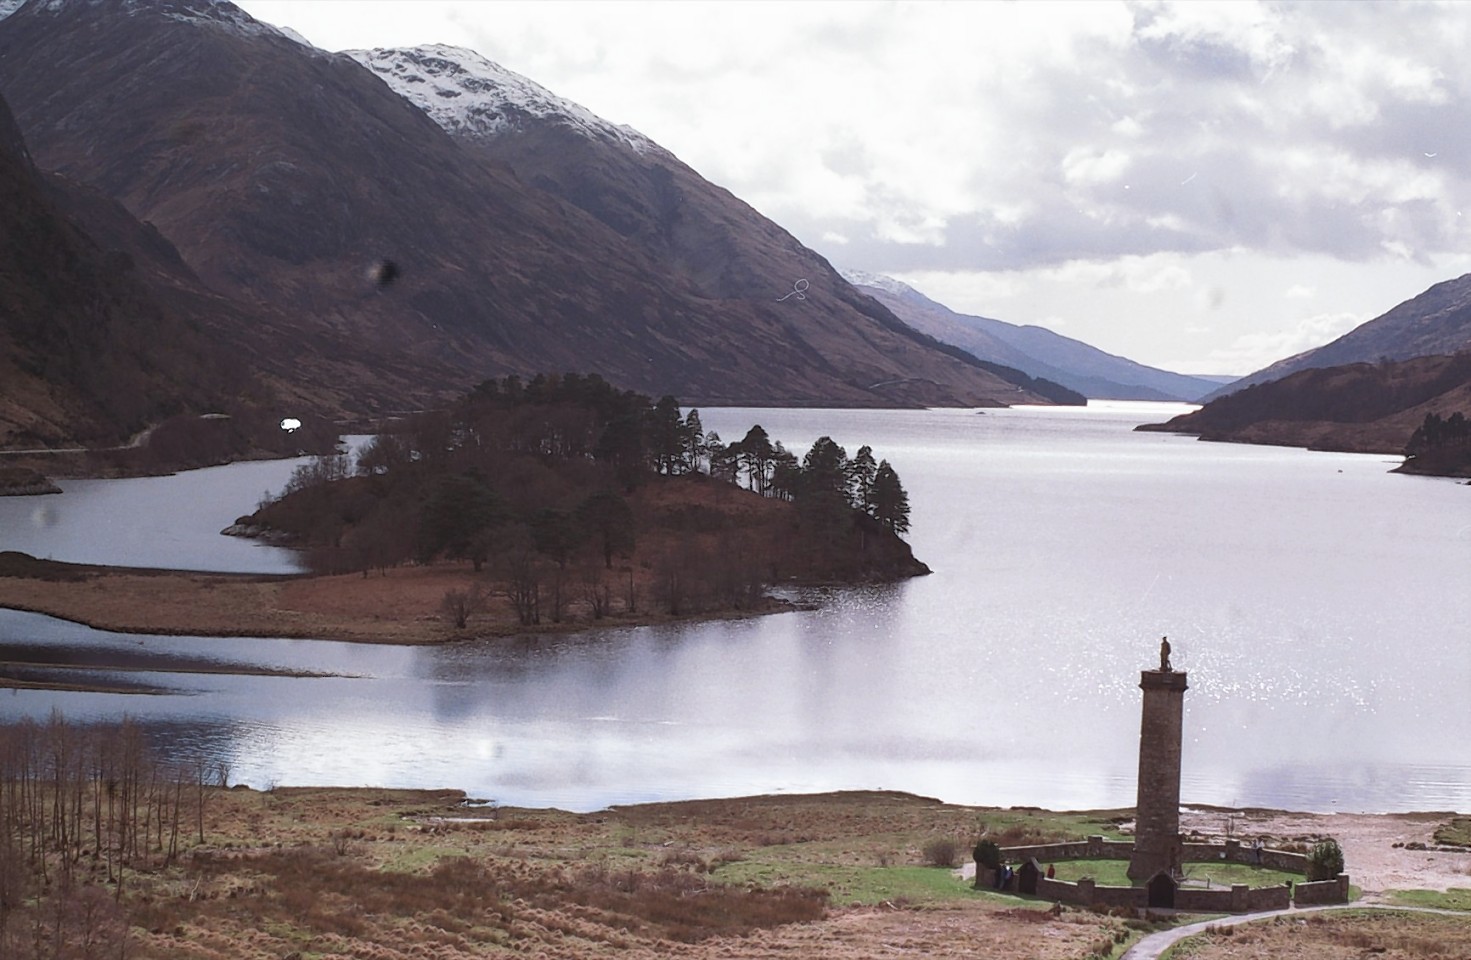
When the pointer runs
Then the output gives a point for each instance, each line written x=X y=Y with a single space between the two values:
x=105 y=851
x=402 y=605
x=396 y=874
x=376 y=873
x=1337 y=935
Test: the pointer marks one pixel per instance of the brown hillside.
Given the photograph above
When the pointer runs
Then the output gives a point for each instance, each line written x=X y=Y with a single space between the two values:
x=87 y=351
x=1437 y=321
x=1362 y=407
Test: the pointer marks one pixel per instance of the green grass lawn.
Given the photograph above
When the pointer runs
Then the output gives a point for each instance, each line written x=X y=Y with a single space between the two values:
x=856 y=884
x=1457 y=898
x=1114 y=873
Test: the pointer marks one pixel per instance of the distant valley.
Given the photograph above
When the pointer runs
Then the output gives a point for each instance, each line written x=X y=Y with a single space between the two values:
x=1035 y=350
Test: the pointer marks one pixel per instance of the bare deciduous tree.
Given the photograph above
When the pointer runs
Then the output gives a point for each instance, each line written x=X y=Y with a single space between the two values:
x=459 y=604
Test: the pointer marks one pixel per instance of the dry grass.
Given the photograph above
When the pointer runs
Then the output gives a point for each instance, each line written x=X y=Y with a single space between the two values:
x=1336 y=936
x=398 y=874
x=402 y=606
x=1455 y=832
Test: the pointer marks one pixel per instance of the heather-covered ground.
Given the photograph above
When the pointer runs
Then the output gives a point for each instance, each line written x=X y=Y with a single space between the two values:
x=324 y=872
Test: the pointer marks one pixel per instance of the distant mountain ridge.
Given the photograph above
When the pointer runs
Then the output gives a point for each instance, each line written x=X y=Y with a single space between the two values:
x=282 y=174
x=1035 y=350
x=1437 y=322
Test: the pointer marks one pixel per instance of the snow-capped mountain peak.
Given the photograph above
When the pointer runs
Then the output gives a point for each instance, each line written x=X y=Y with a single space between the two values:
x=476 y=98
x=219 y=14
x=862 y=278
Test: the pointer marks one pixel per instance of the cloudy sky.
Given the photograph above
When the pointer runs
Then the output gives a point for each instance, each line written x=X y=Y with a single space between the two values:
x=1202 y=187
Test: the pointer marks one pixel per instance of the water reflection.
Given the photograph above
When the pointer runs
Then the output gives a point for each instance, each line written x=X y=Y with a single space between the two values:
x=1315 y=600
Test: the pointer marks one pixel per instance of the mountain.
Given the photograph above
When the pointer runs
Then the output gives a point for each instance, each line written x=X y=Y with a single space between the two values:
x=410 y=264
x=1438 y=321
x=1035 y=350
x=701 y=233
x=1360 y=407
x=88 y=351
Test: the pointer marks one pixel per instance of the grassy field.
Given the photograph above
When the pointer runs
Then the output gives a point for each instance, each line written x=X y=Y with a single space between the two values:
x=1455 y=899
x=387 y=874
x=1114 y=873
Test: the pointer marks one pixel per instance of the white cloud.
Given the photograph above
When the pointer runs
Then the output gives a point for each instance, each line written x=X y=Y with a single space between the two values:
x=1087 y=166
x=1252 y=351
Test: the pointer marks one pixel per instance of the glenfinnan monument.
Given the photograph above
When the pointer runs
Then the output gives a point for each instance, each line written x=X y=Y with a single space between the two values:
x=1157 y=821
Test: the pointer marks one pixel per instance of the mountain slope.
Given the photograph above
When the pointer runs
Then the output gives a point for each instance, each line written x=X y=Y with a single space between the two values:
x=283 y=174
x=1360 y=407
x=1036 y=350
x=710 y=240
x=88 y=352
x=1438 y=321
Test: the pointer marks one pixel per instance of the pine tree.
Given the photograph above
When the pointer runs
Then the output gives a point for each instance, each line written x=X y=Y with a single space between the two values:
x=887 y=501
x=861 y=470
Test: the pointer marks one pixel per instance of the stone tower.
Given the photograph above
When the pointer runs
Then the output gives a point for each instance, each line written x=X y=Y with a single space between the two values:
x=1157 y=822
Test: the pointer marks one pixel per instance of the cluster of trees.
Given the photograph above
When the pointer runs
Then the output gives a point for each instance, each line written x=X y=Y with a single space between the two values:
x=678 y=444
x=1440 y=446
x=1436 y=433
x=540 y=479
x=79 y=808
x=825 y=477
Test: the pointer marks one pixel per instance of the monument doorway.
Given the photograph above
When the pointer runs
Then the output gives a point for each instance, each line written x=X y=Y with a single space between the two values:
x=1162 y=891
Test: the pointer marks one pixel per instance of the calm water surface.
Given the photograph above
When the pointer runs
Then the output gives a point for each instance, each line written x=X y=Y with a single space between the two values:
x=1318 y=603
x=171 y=522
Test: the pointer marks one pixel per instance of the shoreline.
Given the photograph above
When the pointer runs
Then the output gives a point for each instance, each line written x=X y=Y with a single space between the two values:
x=399 y=606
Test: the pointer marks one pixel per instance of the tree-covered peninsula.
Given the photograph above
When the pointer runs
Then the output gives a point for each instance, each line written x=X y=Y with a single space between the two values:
x=565 y=499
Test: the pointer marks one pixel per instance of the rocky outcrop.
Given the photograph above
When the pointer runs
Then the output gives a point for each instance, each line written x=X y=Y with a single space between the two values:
x=246 y=528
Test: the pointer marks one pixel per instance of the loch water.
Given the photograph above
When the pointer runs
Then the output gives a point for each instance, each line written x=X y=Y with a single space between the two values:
x=1318 y=603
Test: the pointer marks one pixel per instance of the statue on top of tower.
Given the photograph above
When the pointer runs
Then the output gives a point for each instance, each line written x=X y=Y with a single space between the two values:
x=1164 y=655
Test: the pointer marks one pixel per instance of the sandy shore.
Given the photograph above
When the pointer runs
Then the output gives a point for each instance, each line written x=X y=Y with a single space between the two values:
x=1377 y=848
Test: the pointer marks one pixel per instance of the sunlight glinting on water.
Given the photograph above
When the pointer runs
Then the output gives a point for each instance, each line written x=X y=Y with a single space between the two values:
x=1316 y=602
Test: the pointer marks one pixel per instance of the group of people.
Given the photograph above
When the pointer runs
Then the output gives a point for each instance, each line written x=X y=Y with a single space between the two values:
x=1008 y=878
